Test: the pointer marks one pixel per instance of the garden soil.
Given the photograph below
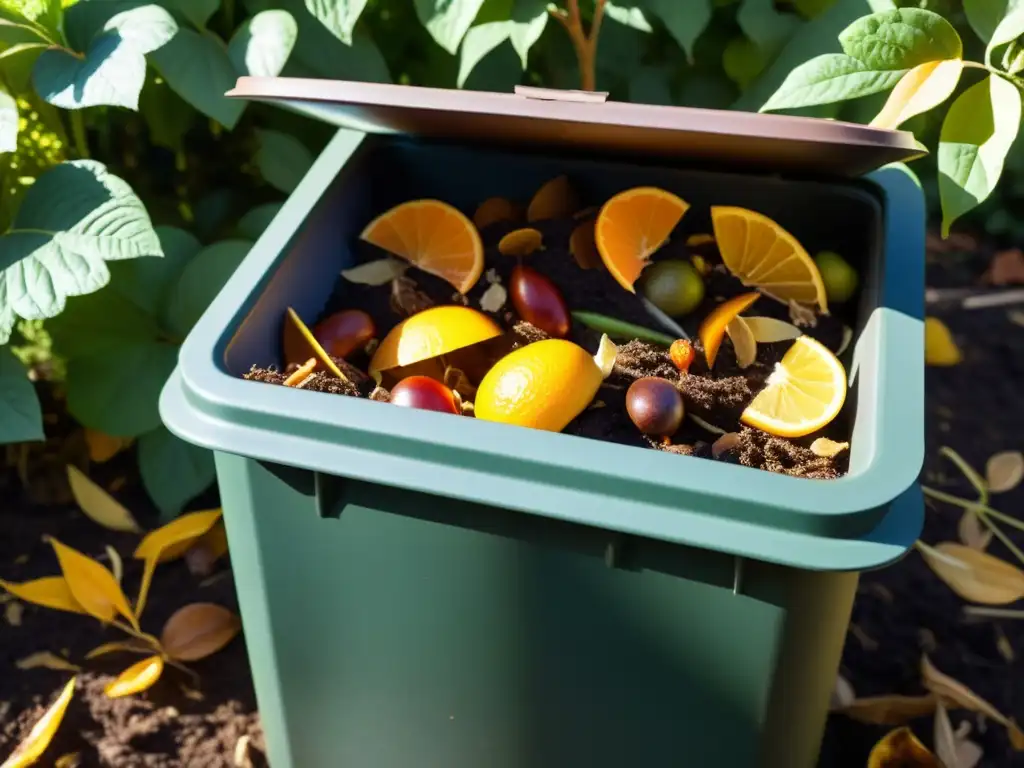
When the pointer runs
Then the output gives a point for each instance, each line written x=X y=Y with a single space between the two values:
x=901 y=612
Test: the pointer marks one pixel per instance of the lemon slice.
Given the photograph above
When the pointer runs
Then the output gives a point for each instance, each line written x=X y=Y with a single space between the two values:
x=805 y=392
x=765 y=256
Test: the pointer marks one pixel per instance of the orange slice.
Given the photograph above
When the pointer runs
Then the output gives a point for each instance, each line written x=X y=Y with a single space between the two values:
x=432 y=332
x=433 y=236
x=805 y=392
x=765 y=256
x=555 y=200
x=495 y=209
x=712 y=329
x=633 y=225
x=300 y=345
x=520 y=242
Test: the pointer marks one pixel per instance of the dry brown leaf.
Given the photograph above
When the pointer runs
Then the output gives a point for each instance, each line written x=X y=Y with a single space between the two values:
x=743 y=343
x=494 y=298
x=92 y=585
x=137 y=678
x=99 y=505
x=826 y=448
x=103 y=447
x=1006 y=268
x=495 y=209
x=116 y=566
x=1016 y=736
x=955 y=693
x=379 y=272
x=889 y=709
x=47 y=660
x=973 y=532
x=1004 y=471
x=900 y=749
x=39 y=738
x=975 y=576
x=583 y=246
x=198 y=630
x=13 y=612
x=725 y=443
x=768 y=330
x=49 y=592
x=842 y=694
x=555 y=200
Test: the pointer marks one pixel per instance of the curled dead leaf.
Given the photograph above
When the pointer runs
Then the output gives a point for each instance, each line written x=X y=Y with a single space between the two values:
x=974 y=575
x=939 y=346
x=198 y=630
x=47 y=660
x=494 y=298
x=39 y=738
x=826 y=448
x=99 y=505
x=742 y=342
x=49 y=592
x=1004 y=471
x=973 y=532
x=724 y=444
x=379 y=272
x=889 y=709
x=768 y=330
x=92 y=585
x=137 y=678
x=954 y=693
x=900 y=749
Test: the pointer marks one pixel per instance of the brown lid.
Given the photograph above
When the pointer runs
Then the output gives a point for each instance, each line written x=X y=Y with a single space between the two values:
x=584 y=120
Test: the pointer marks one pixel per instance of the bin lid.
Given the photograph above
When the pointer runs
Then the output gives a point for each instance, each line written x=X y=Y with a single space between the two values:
x=588 y=121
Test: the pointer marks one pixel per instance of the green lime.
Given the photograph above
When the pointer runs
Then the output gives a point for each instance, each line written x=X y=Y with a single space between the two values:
x=674 y=287
x=839 y=277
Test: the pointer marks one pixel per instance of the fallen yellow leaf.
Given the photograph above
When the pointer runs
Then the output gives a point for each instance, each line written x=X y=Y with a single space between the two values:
x=939 y=347
x=13 y=612
x=972 y=531
x=1004 y=471
x=49 y=592
x=130 y=646
x=768 y=330
x=974 y=575
x=116 y=566
x=99 y=505
x=138 y=677
x=955 y=693
x=215 y=541
x=922 y=88
x=103 y=447
x=198 y=630
x=168 y=543
x=47 y=660
x=900 y=749
x=92 y=585
x=39 y=738
x=889 y=710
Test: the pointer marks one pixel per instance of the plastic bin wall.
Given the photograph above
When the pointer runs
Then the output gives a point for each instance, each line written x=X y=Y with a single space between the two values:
x=401 y=613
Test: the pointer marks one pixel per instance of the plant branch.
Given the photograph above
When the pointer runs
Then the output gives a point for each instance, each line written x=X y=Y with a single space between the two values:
x=584 y=43
x=139 y=634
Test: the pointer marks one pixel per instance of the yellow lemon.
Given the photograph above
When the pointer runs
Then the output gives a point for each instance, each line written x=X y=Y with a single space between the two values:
x=543 y=385
x=432 y=332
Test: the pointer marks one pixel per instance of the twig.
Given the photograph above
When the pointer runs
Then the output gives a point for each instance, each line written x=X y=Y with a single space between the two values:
x=993 y=613
x=975 y=298
x=584 y=43
x=985 y=514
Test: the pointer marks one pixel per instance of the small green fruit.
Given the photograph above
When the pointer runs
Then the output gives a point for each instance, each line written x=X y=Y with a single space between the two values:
x=674 y=287
x=839 y=277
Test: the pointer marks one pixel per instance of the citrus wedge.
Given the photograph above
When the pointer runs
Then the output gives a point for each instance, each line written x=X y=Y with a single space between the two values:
x=633 y=225
x=432 y=236
x=805 y=392
x=712 y=329
x=765 y=256
x=432 y=332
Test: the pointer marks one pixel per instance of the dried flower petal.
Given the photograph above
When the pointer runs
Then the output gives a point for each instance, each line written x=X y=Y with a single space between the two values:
x=768 y=330
x=380 y=272
x=1004 y=471
x=743 y=342
x=972 y=531
x=826 y=448
x=47 y=660
x=975 y=576
x=493 y=298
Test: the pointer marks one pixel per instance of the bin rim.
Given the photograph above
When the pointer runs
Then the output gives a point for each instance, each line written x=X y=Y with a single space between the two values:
x=208 y=406
x=586 y=121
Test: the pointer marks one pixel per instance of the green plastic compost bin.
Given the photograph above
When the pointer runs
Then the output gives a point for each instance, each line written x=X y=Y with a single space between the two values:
x=423 y=590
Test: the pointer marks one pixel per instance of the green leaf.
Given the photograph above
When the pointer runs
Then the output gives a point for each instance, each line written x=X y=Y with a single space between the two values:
x=628 y=15
x=901 y=39
x=76 y=217
x=148 y=281
x=198 y=69
x=200 y=283
x=167 y=115
x=828 y=78
x=114 y=68
x=1010 y=27
x=765 y=26
x=651 y=85
x=984 y=15
x=283 y=160
x=479 y=41
x=98 y=322
x=262 y=45
x=684 y=21
x=8 y=122
x=44 y=14
x=528 y=21
x=196 y=11
x=21 y=418
x=339 y=16
x=173 y=472
x=117 y=389
x=979 y=129
x=256 y=221
x=447 y=21
x=743 y=60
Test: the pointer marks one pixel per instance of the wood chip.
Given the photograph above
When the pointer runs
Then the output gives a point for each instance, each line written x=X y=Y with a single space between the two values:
x=1004 y=471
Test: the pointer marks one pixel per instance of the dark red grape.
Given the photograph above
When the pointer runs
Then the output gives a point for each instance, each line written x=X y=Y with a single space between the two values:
x=344 y=332
x=655 y=406
x=425 y=393
x=539 y=302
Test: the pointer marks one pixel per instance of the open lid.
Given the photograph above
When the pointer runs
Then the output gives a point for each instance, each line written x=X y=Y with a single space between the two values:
x=587 y=121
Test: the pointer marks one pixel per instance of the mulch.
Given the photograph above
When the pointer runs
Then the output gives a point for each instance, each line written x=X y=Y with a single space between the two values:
x=901 y=612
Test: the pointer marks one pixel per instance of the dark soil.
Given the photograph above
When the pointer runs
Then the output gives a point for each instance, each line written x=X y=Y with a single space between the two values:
x=717 y=396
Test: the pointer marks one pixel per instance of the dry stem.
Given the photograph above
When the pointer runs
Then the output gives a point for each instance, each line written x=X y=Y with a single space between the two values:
x=583 y=42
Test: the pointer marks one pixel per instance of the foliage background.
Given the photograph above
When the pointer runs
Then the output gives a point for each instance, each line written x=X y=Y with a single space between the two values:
x=119 y=146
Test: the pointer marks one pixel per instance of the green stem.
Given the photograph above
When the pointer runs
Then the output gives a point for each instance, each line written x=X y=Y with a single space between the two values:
x=984 y=509
x=995 y=71
x=78 y=133
x=620 y=329
x=228 y=7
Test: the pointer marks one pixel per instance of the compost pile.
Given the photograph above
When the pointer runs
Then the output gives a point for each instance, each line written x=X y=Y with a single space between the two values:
x=550 y=270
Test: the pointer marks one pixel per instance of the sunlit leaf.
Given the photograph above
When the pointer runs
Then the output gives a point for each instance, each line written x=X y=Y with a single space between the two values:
x=39 y=738
x=447 y=21
x=47 y=660
x=768 y=330
x=198 y=630
x=138 y=677
x=939 y=347
x=49 y=592
x=975 y=576
x=955 y=694
x=99 y=505
x=901 y=749
x=890 y=709
x=1004 y=471
x=92 y=585
x=922 y=88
